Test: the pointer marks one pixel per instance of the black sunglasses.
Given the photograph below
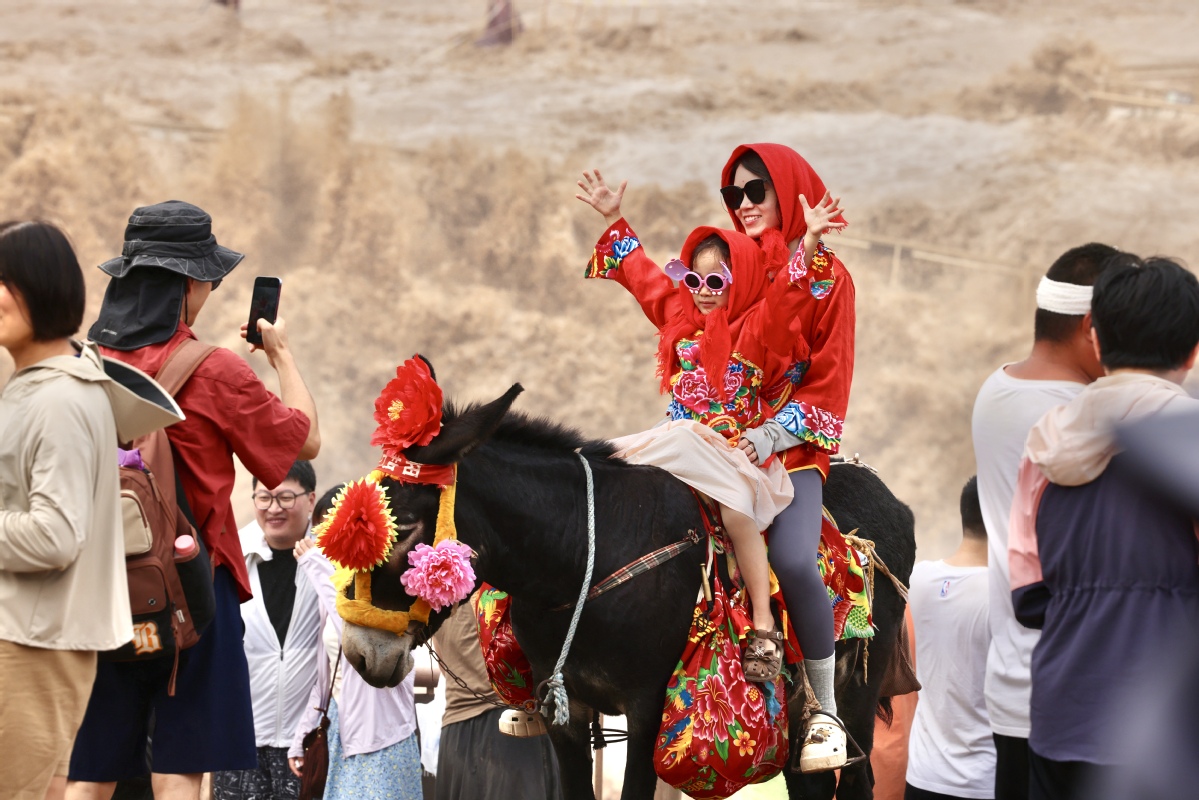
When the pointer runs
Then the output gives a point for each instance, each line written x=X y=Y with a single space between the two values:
x=755 y=190
x=216 y=283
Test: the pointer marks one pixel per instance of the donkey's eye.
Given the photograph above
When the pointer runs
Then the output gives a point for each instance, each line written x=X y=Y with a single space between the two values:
x=406 y=528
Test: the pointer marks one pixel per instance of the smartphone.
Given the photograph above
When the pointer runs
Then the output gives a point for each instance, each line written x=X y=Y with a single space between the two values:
x=264 y=304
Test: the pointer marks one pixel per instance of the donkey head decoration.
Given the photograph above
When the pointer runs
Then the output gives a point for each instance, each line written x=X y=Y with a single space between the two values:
x=398 y=523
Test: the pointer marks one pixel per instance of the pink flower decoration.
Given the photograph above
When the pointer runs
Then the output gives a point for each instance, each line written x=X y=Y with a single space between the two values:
x=747 y=699
x=693 y=391
x=822 y=422
x=713 y=710
x=796 y=269
x=441 y=575
x=733 y=381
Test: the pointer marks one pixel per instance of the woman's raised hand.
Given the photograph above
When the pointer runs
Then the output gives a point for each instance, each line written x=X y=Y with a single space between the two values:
x=597 y=195
x=820 y=218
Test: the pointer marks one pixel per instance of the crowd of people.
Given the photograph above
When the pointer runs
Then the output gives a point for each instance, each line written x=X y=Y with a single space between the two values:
x=1074 y=579
x=1038 y=638
x=238 y=702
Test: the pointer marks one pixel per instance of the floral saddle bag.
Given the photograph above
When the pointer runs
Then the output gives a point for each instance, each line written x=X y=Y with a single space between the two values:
x=719 y=732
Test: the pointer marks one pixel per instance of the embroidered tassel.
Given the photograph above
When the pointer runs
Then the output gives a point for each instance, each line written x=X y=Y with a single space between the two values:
x=773 y=706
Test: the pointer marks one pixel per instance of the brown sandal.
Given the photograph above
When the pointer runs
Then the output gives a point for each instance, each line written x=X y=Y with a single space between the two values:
x=763 y=662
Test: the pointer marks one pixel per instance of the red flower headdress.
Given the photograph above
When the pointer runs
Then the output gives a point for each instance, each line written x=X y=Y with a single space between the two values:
x=408 y=409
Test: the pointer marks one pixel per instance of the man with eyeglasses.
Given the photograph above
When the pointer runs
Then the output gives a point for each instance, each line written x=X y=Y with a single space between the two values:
x=282 y=636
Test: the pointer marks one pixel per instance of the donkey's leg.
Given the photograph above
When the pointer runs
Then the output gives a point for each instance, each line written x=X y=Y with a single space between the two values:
x=857 y=781
x=858 y=704
x=572 y=745
x=860 y=711
x=640 y=778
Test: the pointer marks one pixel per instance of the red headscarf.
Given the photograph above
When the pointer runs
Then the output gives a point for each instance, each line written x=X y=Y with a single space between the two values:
x=722 y=326
x=791 y=176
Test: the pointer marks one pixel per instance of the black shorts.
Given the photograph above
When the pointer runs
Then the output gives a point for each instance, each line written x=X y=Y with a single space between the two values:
x=206 y=727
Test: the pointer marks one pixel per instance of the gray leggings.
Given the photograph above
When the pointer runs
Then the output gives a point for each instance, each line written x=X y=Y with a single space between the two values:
x=794 y=539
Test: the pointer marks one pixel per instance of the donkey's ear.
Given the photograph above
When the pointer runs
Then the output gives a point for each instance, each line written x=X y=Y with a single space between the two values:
x=429 y=364
x=464 y=433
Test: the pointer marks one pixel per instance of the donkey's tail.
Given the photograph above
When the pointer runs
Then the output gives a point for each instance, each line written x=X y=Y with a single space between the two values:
x=885 y=711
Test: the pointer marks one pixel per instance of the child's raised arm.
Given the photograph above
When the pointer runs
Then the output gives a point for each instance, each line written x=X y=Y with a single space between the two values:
x=595 y=193
x=618 y=254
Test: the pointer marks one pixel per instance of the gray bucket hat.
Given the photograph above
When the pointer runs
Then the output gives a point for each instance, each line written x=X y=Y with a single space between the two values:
x=174 y=236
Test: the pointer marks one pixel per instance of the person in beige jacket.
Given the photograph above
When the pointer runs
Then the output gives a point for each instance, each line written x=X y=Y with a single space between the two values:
x=63 y=591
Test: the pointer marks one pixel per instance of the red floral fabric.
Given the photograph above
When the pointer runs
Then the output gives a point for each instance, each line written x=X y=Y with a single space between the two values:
x=750 y=343
x=507 y=668
x=824 y=321
x=719 y=732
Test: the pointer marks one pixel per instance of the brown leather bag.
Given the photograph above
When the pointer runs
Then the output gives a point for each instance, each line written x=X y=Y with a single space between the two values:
x=315 y=770
x=171 y=595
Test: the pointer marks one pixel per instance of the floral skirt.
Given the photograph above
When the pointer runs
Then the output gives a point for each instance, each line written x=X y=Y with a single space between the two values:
x=704 y=460
x=392 y=773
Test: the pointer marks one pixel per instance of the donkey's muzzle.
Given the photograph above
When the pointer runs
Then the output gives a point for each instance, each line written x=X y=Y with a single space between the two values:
x=382 y=658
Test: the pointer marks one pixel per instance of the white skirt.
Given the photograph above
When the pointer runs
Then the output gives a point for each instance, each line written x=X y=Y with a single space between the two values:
x=704 y=460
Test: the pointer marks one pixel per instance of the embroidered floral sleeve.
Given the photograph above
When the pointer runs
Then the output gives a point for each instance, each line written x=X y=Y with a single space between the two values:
x=620 y=257
x=797 y=270
x=612 y=249
x=822 y=274
x=810 y=393
x=812 y=424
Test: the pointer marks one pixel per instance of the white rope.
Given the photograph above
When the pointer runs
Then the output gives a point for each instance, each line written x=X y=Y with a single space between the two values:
x=1064 y=298
x=556 y=685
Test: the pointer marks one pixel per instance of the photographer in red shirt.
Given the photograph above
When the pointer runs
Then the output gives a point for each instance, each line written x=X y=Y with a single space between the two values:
x=169 y=266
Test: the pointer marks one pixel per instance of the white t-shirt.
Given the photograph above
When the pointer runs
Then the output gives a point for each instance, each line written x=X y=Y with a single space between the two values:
x=1004 y=413
x=950 y=750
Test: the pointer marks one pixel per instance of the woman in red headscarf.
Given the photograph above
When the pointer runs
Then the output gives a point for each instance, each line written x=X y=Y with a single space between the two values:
x=766 y=188
x=724 y=338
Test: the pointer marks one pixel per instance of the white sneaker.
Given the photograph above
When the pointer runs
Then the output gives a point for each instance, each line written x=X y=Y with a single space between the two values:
x=824 y=745
x=522 y=724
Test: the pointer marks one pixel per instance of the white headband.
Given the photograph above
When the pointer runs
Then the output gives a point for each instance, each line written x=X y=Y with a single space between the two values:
x=1064 y=298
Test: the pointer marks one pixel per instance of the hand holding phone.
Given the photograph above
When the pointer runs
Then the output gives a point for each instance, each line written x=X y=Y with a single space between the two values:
x=264 y=304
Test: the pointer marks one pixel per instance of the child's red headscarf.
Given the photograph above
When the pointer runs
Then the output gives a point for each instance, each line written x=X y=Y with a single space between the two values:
x=791 y=176
x=722 y=326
